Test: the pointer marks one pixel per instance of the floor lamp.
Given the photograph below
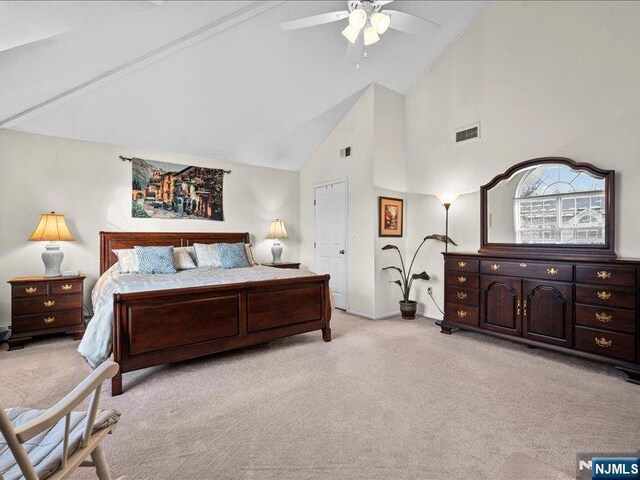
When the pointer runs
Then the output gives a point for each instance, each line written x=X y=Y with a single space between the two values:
x=446 y=199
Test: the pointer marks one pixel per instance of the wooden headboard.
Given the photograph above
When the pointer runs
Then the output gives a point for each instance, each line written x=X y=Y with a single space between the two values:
x=115 y=240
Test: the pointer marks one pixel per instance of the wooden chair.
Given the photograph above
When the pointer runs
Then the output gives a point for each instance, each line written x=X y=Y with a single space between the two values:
x=41 y=446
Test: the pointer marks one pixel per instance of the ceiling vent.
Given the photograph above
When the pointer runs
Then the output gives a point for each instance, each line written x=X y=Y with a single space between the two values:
x=345 y=152
x=470 y=132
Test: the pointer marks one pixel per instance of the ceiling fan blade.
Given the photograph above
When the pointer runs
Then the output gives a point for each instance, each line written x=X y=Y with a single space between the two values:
x=354 y=50
x=407 y=23
x=314 y=20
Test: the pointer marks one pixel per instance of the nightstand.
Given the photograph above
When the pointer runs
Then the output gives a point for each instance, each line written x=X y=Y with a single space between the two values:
x=45 y=305
x=293 y=265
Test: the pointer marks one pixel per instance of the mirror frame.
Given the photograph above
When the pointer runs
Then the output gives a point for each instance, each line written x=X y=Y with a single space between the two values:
x=572 y=252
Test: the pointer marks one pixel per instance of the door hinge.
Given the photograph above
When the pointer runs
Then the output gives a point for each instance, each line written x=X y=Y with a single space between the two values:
x=314 y=202
x=314 y=244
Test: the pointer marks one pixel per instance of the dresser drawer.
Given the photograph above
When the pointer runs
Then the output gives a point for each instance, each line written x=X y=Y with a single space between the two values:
x=606 y=275
x=460 y=279
x=455 y=313
x=606 y=318
x=551 y=271
x=603 y=342
x=28 y=306
x=28 y=290
x=607 y=296
x=463 y=296
x=45 y=321
x=461 y=264
x=64 y=288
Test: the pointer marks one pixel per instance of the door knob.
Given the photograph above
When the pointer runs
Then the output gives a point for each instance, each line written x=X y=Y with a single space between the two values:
x=341 y=252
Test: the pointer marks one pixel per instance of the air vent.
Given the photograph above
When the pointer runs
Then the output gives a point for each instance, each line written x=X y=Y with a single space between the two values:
x=345 y=152
x=471 y=132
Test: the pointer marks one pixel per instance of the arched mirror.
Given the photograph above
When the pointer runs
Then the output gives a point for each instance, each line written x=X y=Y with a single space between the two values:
x=549 y=205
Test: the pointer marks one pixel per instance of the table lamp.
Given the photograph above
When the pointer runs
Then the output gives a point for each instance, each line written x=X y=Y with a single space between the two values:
x=52 y=228
x=277 y=231
x=447 y=199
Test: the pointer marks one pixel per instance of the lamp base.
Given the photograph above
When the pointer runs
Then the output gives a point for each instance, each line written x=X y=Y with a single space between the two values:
x=276 y=252
x=52 y=258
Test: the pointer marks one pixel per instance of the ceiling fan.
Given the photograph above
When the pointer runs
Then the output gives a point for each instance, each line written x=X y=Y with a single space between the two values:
x=367 y=21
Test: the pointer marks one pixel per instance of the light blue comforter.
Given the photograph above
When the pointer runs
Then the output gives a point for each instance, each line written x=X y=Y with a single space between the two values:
x=95 y=346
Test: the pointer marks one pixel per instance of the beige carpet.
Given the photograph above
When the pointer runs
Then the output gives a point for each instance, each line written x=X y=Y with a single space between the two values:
x=387 y=399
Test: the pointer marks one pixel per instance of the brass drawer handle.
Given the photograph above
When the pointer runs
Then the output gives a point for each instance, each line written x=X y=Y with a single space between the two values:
x=462 y=264
x=604 y=295
x=603 y=274
x=462 y=313
x=49 y=320
x=603 y=342
x=462 y=295
x=518 y=308
x=552 y=271
x=462 y=279
x=604 y=317
x=495 y=267
x=49 y=303
x=67 y=286
x=523 y=265
x=31 y=289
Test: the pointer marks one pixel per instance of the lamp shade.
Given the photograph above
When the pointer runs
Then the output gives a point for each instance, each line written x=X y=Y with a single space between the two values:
x=53 y=228
x=277 y=230
x=447 y=198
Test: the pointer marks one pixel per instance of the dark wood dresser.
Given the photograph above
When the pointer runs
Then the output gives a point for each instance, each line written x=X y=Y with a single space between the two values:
x=588 y=309
x=42 y=306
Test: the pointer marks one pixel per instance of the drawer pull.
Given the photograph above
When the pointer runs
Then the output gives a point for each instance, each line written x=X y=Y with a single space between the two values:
x=49 y=320
x=523 y=265
x=31 y=289
x=552 y=271
x=603 y=274
x=462 y=313
x=604 y=317
x=495 y=267
x=462 y=264
x=603 y=342
x=67 y=286
x=604 y=295
x=462 y=295
x=518 y=308
x=462 y=279
x=49 y=303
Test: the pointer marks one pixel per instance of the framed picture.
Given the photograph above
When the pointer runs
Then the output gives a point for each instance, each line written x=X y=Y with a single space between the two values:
x=390 y=217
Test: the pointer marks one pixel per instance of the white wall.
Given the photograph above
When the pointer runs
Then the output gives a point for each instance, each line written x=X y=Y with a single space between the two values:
x=544 y=79
x=88 y=184
x=356 y=130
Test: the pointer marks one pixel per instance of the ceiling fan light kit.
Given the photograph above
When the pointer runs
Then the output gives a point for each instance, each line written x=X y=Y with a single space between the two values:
x=366 y=24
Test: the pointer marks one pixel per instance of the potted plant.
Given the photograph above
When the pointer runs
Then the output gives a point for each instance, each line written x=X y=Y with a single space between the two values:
x=408 y=307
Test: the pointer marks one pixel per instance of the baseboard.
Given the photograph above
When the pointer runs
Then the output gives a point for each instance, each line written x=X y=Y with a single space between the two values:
x=372 y=317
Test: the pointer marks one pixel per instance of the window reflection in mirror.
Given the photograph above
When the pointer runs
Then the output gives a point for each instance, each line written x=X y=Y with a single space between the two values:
x=548 y=204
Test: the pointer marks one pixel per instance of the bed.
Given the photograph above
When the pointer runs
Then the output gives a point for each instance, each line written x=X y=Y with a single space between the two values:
x=154 y=325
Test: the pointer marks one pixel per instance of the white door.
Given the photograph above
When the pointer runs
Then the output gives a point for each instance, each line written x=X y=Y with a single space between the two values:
x=330 y=202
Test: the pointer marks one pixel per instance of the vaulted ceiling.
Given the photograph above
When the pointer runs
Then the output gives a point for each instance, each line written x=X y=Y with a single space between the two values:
x=217 y=79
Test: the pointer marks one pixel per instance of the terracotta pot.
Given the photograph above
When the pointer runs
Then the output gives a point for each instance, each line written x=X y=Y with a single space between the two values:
x=408 y=309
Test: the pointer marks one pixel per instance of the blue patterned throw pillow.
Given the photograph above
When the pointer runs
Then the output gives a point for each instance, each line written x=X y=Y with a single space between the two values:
x=233 y=255
x=155 y=259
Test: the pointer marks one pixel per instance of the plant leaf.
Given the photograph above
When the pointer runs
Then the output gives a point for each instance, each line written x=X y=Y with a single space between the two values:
x=397 y=282
x=390 y=247
x=393 y=268
x=421 y=276
x=440 y=238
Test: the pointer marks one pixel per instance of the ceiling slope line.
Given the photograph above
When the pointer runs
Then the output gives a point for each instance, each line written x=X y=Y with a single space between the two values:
x=213 y=28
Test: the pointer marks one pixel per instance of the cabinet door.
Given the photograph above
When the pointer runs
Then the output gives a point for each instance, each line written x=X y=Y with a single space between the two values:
x=547 y=311
x=501 y=304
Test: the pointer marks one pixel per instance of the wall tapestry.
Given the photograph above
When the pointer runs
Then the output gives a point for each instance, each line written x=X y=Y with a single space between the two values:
x=169 y=190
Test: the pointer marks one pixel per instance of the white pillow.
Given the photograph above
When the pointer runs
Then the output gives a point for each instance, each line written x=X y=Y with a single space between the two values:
x=250 y=259
x=183 y=258
x=207 y=255
x=128 y=260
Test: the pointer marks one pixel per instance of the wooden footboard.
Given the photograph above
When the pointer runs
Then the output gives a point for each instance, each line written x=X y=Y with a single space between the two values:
x=154 y=328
